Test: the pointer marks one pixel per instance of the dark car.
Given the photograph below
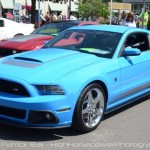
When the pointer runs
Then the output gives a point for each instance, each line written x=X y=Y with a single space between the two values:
x=38 y=37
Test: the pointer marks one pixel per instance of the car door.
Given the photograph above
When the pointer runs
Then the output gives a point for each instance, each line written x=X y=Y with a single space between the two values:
x=2 y=29
x=135 y=72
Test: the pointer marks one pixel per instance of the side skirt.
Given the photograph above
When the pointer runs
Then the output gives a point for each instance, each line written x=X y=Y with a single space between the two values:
x=129 y=102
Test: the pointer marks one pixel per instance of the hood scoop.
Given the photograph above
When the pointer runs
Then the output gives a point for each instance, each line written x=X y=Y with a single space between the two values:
x=27 y=59
x=27 y=63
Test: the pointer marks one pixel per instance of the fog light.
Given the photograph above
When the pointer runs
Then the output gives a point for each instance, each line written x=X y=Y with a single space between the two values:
x=48 y=116
x=41 y=117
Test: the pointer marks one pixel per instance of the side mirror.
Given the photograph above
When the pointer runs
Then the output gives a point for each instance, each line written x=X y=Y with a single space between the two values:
x=129 y=51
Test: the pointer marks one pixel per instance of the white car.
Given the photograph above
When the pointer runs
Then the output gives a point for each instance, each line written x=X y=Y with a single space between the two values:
x=9 y=28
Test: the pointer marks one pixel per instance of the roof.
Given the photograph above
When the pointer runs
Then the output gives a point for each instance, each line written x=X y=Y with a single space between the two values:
x=8 y=20
x=75 y=22
x=110 y=28
x=70 y=21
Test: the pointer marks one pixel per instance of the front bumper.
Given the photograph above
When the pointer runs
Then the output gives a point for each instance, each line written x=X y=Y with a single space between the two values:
x=8 y=122
x=54 y=111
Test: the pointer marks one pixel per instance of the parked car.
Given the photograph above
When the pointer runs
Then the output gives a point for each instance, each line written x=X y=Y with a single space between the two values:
x=76 y=78
x=38 y=37
x=9 y=28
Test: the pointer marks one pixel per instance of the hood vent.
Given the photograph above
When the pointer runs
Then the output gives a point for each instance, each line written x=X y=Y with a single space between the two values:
x=27 y=59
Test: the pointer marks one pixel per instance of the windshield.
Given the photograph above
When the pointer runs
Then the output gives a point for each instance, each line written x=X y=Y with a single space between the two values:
x=54 y=28
x=97 y=42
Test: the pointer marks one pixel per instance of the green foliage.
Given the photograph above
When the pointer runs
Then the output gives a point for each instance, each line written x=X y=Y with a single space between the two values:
x=93 y=9
x=119 y=1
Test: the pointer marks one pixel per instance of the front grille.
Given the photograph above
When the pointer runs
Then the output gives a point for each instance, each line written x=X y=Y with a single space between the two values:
x=7 y=52
x=13 y=88
x=12 y=112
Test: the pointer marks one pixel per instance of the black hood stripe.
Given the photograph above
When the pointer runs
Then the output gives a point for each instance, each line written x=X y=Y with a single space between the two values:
x=21 y=64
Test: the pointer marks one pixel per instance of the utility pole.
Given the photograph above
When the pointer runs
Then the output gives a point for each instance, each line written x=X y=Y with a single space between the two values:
x=13 y=9
x=69 y=9
x=38 y=13
x=13 y=2
x=110 y=11
x=25 y=7
x=143 y=11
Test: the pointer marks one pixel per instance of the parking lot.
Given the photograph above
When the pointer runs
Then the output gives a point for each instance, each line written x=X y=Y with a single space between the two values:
x=126 y=128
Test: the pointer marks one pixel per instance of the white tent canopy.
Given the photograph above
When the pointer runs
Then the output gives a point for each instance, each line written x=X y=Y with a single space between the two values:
x=57 y=6
x=74 y=7
x=7 y=4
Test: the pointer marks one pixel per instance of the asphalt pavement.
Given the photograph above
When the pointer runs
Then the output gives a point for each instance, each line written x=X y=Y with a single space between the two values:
x=126 y=128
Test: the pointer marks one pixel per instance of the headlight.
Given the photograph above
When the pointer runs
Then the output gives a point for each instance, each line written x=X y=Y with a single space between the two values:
x=50 y=89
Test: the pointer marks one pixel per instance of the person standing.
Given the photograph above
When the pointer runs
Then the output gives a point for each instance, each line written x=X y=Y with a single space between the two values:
x=122 y=18
x=145 y=20
x=47 y=17
x=130 y=22
x=9 y=15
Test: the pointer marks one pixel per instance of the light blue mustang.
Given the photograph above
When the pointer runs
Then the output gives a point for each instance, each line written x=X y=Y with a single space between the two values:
x=76 y=78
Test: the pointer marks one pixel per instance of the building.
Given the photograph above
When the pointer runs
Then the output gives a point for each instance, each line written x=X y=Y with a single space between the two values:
x=45 y=6
x=137 y=5
x=120 y=7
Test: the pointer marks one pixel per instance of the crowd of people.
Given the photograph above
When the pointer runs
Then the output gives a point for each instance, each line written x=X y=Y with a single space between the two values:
x=56 y=16
x=132 y=20
x=126 y=19
x=141 y=20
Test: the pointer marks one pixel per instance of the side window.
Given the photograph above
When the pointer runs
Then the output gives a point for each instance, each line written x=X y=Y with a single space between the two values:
x=138 y=40
x=1 y=23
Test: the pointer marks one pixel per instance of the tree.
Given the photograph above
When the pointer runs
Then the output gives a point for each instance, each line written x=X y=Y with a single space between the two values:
x=93 y=9
x=119 y=1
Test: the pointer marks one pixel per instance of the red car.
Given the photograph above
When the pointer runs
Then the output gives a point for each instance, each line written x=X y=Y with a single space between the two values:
x=37 y=38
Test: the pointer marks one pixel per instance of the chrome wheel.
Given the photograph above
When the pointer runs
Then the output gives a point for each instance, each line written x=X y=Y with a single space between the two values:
x=90 y=108
x=93 y=107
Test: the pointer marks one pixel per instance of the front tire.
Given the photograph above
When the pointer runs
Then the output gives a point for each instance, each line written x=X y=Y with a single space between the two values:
x=90 y=108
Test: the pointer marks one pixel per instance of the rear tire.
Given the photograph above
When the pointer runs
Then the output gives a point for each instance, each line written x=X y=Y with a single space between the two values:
x=18 y=35
x=89 y=109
